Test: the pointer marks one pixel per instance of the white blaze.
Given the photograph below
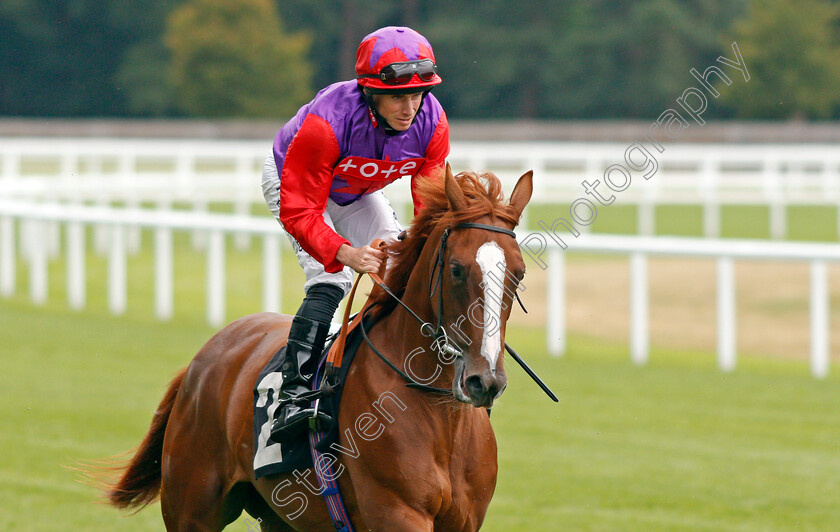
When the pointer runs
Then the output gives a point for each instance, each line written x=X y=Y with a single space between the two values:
x=490 y=257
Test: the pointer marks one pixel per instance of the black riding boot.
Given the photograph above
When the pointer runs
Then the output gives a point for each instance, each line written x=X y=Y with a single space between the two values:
x=306 y=341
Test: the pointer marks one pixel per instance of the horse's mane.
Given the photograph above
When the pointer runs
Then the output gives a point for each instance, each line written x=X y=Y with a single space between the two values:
x=484 y=198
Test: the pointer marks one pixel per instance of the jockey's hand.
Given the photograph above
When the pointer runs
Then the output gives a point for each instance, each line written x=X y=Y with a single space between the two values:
x=364 y=259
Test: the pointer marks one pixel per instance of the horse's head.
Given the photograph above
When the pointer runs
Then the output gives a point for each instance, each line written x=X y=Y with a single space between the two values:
x=460 y=268
x=479 y=273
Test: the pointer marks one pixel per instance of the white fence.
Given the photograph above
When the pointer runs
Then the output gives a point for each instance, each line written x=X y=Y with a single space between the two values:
x=132 y=171
x=538 y=247
x=35 y=221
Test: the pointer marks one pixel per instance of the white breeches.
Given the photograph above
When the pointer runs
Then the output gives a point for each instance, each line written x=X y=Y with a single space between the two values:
x=361 y=222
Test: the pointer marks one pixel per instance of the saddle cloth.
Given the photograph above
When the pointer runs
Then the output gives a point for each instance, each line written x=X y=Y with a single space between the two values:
x=271 y=457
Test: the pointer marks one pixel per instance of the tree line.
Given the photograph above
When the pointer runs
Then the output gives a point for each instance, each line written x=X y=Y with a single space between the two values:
x=544 y=59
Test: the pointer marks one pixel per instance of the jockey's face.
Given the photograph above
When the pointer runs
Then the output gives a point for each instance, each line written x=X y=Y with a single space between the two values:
x=398 y=109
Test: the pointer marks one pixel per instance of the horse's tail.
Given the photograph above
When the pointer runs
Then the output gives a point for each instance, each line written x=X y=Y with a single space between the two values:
x=139 y=483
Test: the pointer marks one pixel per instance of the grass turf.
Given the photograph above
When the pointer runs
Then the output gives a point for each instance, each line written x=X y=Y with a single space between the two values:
x=676 y=445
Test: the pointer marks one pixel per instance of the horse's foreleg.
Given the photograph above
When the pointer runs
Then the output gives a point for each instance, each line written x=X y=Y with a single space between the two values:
x=383 y=510
x=397 y=516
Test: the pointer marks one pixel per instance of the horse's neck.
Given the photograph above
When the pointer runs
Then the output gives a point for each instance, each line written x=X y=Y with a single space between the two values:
x=400 y=333
x=413 y=350
x=398 y=336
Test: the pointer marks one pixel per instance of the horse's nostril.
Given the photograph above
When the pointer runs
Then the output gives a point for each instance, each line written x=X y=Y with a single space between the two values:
x=474 y=386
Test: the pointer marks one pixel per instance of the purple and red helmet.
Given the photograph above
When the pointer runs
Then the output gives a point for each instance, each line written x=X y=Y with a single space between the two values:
x=396 y=58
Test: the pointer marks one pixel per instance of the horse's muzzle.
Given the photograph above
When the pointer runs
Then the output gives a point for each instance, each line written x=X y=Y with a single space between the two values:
x=483 y=387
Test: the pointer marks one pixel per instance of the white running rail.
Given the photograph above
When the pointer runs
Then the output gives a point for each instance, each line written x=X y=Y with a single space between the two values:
x=34 y=219
x=163 y=172
x=543 y=251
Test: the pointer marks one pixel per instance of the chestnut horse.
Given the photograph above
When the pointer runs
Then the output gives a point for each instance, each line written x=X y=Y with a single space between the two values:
x=406 y=459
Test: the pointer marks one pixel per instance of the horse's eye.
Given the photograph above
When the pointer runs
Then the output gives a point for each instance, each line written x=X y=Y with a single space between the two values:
x=457 y=271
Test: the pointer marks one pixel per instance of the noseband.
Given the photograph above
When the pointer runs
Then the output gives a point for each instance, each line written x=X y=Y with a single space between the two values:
x=440 y=339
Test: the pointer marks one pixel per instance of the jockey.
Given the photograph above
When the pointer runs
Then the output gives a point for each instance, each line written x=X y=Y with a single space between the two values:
x=323 y=183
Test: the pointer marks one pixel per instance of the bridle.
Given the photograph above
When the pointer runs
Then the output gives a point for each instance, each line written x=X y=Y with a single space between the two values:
x=438 y=334
x=331 y=380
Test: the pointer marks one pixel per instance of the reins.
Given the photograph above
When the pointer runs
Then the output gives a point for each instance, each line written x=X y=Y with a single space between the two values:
x=335 y=356
x=439 y=335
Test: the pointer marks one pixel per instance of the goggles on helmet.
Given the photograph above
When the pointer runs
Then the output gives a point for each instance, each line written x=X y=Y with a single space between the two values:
x=401 y=73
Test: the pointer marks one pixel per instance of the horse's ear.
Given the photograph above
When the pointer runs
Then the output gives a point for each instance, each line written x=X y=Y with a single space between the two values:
x=521 y=194
x=457 y=199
